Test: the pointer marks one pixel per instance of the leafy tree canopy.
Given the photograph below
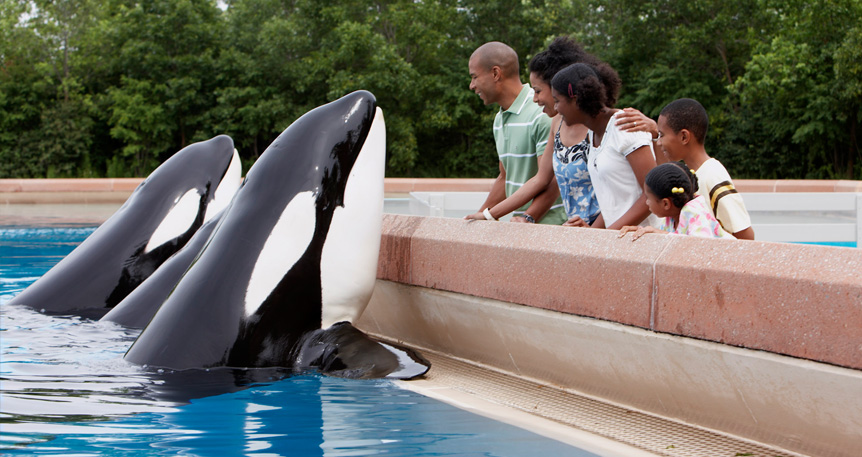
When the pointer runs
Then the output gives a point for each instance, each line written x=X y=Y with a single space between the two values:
x=113 y=88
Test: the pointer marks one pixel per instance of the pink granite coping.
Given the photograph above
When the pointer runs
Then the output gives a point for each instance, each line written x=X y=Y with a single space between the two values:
x=70 y=185
x=798 y=300
x=406 y=185
x=797 y=185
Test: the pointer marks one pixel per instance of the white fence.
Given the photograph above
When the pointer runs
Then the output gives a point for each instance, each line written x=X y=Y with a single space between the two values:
x=819 y=217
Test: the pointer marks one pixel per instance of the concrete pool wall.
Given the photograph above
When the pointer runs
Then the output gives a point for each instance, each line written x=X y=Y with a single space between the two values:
x=755 y=339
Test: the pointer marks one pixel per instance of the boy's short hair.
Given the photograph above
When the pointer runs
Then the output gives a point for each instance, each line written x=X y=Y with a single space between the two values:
x=688 y=114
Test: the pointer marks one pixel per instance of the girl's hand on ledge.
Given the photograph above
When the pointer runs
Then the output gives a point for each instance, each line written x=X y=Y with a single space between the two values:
x=638 y=231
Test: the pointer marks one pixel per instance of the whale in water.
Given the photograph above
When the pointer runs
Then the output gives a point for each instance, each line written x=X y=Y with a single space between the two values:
x=292 y=262
x=157 y=220
x=136 y=310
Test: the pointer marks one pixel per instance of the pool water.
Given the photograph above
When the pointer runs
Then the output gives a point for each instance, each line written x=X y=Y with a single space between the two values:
x=838 y=244
x=65 y=390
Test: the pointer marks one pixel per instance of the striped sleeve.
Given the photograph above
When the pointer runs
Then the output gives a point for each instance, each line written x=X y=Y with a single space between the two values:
x=727 y=205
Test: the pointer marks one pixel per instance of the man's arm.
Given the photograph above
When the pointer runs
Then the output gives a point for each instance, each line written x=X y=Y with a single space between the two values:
x=542 y=202
x=496 y=195
x=745 y=234
x=498 y=190
x=544 y=142
x=543 y=179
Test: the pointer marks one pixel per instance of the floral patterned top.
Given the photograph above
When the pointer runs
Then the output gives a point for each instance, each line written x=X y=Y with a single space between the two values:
x=695 y=219
x=573 y=177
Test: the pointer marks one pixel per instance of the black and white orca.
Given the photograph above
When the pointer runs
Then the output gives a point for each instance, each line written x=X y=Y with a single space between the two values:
x=157 y=220
x=292 y=262
x=136 y=310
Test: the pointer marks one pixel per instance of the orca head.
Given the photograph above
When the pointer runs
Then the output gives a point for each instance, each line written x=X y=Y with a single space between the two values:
x=197 y=183
x=160 y=216
x=330 y=164
x=292 y=261
x=170 y=205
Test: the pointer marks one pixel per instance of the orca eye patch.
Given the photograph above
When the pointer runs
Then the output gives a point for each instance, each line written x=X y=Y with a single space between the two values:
x=286 y=243
x=178 y=221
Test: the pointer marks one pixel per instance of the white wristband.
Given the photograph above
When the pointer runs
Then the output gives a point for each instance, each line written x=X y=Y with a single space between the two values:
x=487 y=213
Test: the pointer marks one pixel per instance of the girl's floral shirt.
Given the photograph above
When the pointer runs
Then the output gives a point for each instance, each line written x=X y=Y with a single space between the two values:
x=696 y=219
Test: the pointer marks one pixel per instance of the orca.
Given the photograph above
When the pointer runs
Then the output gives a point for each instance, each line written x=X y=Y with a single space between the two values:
x=157 y=220
x=293 y=261
x=136 y=310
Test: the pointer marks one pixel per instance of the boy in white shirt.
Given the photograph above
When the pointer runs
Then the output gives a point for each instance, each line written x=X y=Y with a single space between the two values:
x=681 y=132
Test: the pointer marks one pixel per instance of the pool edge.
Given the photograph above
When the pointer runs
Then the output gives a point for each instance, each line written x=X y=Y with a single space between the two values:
x=782 y=402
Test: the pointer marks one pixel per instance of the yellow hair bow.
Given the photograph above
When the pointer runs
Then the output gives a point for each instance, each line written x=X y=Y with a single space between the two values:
x=678 y=190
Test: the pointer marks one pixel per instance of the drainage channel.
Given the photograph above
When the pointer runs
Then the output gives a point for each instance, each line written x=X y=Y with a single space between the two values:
x=619 y=431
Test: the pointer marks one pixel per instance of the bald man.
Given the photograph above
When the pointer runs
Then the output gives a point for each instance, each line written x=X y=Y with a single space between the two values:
x=520 y=133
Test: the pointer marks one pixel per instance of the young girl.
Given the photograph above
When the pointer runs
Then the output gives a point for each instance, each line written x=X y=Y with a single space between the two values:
x=669 y=191
x=618 y=161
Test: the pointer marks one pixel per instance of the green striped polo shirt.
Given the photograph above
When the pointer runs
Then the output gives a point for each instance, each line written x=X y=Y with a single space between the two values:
x=521 y=133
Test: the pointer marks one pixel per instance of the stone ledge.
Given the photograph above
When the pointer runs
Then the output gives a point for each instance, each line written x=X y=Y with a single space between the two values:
x=70 y=185
x=797 y=185
x=407 y=185
x=797 y=300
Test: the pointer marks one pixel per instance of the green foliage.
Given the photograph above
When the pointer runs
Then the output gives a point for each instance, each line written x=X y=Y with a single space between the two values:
x=112 y=88
x=803 y=89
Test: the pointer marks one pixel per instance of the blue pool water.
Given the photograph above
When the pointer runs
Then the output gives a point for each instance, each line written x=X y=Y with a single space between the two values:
x=839 y=244
x=65 y=390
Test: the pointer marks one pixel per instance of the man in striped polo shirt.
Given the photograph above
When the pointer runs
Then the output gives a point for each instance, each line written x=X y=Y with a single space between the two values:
x=520 y=132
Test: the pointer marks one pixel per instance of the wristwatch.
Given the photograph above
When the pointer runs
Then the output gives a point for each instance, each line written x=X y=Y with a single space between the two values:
x=529 y=218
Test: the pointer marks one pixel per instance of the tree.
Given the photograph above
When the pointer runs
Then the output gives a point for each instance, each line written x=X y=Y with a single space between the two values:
x=163 y=62
x=44 y=112
x=802 y=89
x=113 y=88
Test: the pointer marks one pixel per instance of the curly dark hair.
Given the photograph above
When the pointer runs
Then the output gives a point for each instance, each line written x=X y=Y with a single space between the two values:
x=564 y=51
x=689 y=114
x=580 y=80
x=662 y=179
